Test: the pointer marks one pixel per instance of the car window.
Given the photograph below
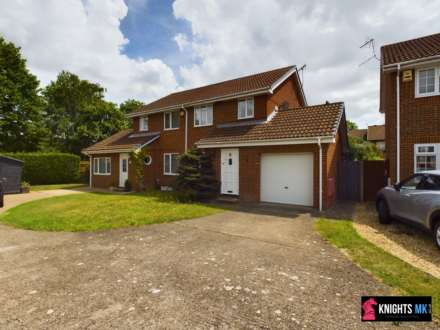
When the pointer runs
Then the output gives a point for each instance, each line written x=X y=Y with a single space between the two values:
x=412 y=183
x=431 y=182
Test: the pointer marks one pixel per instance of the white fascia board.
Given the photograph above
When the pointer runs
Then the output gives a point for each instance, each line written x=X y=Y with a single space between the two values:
x=282 y=79
x=110 y=151
x=411 y=63
x=268 y=142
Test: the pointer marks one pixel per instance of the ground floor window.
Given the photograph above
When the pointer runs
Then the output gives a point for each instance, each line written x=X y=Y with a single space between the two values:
x=102 y=166
x=171 y=163
x=426 y=157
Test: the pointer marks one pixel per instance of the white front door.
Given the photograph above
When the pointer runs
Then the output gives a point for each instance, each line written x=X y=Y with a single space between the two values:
x=287 y=178
x=123 y=169
x=229 y=171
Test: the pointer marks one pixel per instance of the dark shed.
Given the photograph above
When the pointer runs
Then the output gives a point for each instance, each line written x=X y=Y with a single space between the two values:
x=10 y=174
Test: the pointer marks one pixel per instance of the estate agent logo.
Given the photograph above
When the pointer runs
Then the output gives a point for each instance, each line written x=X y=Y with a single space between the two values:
x=396 y=309
x=369 y=312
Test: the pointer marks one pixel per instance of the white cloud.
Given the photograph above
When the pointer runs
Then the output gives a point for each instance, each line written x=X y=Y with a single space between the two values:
x=83 y=37
x=231 y=38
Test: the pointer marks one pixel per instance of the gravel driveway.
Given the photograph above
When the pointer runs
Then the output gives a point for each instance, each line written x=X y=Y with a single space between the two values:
x=231 y=270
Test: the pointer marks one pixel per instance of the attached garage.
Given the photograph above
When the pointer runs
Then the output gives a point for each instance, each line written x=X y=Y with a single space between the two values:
x=287 y=178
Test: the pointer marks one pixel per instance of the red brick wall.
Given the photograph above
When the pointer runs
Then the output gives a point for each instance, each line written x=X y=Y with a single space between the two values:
x=419 y=122
x=288 y=92
x=249 y=169
x=106 y=181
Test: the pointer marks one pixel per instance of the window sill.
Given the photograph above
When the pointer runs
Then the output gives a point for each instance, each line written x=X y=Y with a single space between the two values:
x=107 y=174
x=251 y=117
x=143 y=130
x=197 y=126
x=171 y=174
x=417 y=96
x=171 y=129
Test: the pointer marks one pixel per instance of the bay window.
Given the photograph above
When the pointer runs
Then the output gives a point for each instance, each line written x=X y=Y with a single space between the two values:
x=203 y=115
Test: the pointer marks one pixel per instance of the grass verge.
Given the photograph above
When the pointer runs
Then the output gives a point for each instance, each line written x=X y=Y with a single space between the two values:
x=97 y=211
x=394 y=272
x=57 y=186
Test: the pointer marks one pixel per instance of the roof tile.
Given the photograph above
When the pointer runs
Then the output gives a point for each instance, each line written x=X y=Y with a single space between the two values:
x=411 y=49
x=230 y=87
x=306 y=122
x=123 y=140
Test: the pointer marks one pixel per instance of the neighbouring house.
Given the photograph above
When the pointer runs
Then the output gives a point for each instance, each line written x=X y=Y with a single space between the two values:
x=376 y=135
x=410 y=99
x=267 y=144
x=360 y=133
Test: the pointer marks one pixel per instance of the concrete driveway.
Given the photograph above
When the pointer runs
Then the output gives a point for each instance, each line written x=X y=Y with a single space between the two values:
x=232 y=270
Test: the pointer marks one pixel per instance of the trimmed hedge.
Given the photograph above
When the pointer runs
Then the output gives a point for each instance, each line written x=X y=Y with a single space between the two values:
x=48 y=167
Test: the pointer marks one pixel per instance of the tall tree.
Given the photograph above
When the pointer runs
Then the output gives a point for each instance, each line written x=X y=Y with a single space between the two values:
x=77 y=114
x=351 y=125
x=130 y=105
x=21 y=126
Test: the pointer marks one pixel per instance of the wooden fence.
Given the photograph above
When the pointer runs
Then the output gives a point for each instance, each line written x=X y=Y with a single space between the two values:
x=361 y=180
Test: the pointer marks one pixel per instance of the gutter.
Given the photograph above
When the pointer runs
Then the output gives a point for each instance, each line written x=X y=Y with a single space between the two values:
x=401 y=65
x=186 y=127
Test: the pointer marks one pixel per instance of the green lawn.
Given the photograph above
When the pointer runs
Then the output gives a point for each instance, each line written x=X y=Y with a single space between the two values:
x=58 y=186
x=403 y=277
x=95 y=211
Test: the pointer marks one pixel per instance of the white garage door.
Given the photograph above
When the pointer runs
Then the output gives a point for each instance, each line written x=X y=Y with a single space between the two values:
x=287 y=178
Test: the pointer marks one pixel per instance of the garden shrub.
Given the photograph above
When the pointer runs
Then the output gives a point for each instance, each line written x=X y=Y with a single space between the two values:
x=48 y=167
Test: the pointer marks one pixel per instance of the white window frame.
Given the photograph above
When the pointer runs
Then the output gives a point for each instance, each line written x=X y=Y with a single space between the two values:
x=108 y=165
x=170 y=121
x=203 y=112
x=143 y=124
x=246 y=108
x=436 y=82
x=165 y=170
x=426 y=153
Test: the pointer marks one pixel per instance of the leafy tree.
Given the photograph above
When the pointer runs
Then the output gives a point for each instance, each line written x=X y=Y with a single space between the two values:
x=360 y=149
x=351 y=125
x=21 y=126
x=130 y=106
x=196 y=179
x=77 y=114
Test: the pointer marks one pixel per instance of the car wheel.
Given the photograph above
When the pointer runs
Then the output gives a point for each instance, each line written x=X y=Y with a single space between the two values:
x=437 y=234
x=383 y=211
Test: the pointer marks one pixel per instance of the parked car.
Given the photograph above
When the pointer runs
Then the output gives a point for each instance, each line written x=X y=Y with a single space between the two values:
x=415 y=200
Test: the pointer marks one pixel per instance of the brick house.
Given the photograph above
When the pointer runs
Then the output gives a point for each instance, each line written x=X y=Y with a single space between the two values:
x=267 y=143
x=410 y=99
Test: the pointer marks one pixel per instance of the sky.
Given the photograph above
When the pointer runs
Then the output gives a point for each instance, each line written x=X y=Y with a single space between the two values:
x=145 y=49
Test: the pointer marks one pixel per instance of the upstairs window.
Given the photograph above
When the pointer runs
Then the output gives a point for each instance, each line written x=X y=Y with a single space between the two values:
x=143 y=124
x=203 y=116
x=427 y=82
x=246 y=108
x=171 y=120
